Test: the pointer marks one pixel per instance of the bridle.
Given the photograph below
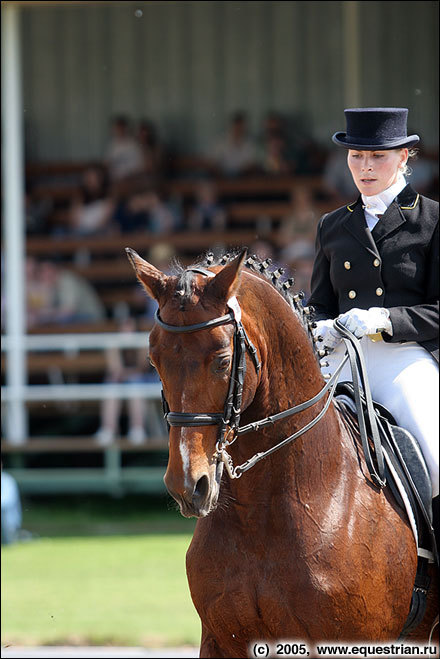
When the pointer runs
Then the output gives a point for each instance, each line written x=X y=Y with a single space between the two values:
x=229 y=420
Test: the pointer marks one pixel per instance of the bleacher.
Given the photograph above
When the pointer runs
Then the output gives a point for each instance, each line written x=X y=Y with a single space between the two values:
x=43 y=464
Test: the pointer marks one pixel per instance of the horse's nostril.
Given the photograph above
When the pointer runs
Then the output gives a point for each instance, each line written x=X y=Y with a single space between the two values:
x=201 y=489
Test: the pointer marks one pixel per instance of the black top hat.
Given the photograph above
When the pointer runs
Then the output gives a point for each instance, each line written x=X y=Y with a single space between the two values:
x=370 y=129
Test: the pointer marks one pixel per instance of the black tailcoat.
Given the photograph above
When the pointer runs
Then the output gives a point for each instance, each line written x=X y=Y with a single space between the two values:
x=395 y=266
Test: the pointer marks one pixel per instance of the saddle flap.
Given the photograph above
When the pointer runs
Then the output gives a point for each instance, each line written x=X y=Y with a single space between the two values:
x=415 y=462
x=404 y=445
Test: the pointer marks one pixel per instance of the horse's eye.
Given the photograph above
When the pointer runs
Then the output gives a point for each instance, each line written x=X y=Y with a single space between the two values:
x=221 y=364
x=151 y=363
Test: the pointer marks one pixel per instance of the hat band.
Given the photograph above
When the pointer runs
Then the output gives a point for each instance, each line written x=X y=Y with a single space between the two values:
x=376 y=140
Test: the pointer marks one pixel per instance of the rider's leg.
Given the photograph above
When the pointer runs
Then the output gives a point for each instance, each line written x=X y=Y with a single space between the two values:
x=405 y=379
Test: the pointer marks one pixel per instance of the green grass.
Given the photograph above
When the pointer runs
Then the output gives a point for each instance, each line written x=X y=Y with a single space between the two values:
x=125 y=585
x=101 y=515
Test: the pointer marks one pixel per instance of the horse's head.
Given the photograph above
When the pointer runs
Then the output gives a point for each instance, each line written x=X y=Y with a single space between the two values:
x=195 y=370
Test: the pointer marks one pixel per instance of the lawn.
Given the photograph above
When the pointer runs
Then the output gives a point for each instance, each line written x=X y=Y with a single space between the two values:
x=123 y=585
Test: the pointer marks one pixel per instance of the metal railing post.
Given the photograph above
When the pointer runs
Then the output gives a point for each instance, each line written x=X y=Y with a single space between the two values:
x=14 y=224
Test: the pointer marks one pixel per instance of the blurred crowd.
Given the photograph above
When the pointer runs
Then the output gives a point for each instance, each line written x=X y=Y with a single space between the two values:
x=126 y=192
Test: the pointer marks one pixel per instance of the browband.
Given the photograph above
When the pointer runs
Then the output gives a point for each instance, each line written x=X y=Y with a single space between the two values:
x=207 y=324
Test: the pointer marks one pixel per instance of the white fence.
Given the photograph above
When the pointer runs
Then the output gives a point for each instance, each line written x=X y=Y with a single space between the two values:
x=71 y=344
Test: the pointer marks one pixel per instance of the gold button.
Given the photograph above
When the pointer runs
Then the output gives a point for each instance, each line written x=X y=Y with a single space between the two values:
x=352 y=295
x=347 y=265
x=379 y=291
x=376 y=263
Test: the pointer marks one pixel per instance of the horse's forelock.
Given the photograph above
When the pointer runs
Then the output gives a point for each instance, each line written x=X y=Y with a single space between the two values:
x=184 y=288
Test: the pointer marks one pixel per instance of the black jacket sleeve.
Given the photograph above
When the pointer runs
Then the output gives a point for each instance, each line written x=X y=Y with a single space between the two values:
x=323 y=297
x=420 y=322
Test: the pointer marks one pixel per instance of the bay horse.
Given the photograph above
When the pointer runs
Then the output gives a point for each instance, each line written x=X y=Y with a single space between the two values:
x=303 y=545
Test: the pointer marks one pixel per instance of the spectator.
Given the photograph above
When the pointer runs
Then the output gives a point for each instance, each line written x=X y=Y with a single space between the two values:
x=147 y=211
x=129 y=366
x=301 y=220
x=423 y=173
x=296 y=237
x=273 y=124
x=298 y=258
x=38 y=294
x=235 y=154
x=37 y=210
x=162 y=214
x=92 y=209
x=302 y=269
x=207 y=212
x=337 y=179
x=11 y=509
x=308 y=156
x=132 y=213
x=124 y=157
x=55 y=295
x=275 y=157
x=152 y=149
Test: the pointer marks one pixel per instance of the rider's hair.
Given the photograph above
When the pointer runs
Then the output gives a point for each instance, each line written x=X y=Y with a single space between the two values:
x=406 y=169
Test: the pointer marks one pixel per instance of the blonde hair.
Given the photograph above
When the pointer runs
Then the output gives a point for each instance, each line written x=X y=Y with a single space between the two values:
x=406 y=169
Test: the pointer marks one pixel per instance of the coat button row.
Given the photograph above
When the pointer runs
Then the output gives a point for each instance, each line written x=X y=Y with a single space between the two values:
x=352 y=294
x=347 y=264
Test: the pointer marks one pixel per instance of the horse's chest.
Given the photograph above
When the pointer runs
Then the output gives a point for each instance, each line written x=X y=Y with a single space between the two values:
x=239 y=593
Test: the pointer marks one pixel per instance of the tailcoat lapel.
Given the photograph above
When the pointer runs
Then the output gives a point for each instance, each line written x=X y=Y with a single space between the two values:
x=394 y=216
x=357 y=226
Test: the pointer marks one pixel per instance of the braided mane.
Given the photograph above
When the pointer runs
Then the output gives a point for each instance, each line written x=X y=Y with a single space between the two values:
x=276 y=278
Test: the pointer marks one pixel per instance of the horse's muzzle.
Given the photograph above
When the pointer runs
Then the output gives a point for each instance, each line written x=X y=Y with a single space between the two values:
x=200 y=498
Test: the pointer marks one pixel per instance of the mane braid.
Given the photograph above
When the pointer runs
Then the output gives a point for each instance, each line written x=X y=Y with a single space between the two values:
x=275 y=277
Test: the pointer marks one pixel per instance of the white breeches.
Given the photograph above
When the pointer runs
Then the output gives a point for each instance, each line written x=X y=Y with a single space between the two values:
x=404 y=378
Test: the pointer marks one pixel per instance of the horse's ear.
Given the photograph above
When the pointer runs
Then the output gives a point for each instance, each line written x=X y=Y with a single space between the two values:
x=226 y=282
x=153 y=280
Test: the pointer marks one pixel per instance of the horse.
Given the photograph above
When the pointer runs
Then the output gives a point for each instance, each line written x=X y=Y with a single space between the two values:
x=294 y=543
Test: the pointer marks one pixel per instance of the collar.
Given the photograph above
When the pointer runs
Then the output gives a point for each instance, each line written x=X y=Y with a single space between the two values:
x=407 y=199
x=379 y=203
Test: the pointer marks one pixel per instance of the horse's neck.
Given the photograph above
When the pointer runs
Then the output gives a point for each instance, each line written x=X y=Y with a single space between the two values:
x=290 y=375
x=290 y=369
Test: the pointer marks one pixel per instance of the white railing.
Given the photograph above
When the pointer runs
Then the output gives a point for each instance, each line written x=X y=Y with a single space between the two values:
x=71 y=344
x=44 y=392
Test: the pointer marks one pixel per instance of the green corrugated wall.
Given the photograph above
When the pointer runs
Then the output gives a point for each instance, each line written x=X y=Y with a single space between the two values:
x=187 y=65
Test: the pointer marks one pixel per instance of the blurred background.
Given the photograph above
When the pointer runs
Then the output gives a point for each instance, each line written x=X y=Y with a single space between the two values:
x=174 y=128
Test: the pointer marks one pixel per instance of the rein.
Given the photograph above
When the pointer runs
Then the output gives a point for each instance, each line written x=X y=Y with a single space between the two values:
x=230 y=418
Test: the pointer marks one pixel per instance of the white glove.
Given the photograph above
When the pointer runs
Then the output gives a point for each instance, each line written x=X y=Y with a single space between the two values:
x=329 y=335
x=367 y=321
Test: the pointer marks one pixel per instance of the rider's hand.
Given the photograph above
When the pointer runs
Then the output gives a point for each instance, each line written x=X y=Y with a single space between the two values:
x=329 y=335
x=367 y=321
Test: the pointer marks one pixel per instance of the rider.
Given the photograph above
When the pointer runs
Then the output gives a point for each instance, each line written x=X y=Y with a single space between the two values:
x=376 y=270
